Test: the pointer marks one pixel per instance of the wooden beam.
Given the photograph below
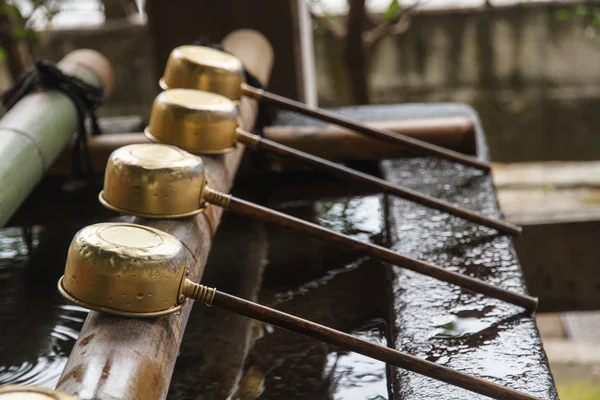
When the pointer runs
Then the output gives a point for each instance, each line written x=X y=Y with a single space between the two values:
x=569 y=191
x=338 y=144
x=559 y=205
x=125 y=358
x=330 y=141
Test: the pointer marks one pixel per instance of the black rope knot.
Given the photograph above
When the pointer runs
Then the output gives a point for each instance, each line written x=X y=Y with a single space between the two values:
x=266 y=113
x=84 y=96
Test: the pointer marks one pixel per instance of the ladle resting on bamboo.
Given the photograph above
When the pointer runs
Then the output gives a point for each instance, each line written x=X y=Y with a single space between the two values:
x=161 y=181
x=204 y=68
x=137 y=271
x=206 y=123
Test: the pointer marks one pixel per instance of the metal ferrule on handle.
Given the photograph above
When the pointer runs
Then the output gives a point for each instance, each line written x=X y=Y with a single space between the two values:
x=215 y=197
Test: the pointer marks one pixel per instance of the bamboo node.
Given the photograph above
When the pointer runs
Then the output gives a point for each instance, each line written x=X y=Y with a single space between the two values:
x=215 y=197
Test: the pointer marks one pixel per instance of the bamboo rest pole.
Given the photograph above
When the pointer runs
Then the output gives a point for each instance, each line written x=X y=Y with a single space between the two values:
x=345 y=173
x=387 y=136
x=37 y=128
x=124 y=358
x=349 y=342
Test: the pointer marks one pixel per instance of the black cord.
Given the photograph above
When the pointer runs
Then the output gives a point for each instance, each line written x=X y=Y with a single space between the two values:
x=267 y=113
x=85 y=97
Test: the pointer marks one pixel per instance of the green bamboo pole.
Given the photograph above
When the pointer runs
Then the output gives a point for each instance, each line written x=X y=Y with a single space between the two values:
x=37 y=128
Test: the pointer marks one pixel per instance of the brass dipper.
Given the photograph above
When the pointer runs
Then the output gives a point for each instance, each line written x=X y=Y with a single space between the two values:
x=212 y=70
x=207 y=123
x=160 y=181
x=22 y=392
x=137 y=271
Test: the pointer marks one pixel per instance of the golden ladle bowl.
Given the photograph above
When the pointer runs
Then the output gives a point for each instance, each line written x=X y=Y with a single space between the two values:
x=157 y=181
x=125 y=269
x=22 y=392
x=154 y=181
x=204 y=68
x=129 y=270
x=197 y=121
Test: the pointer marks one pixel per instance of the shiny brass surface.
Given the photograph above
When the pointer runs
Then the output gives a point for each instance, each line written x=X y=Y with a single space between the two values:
x=204 y=68
x=153 y=181
x=157 y=181
x=21 y=392
x=125 y=269
x=193 y=120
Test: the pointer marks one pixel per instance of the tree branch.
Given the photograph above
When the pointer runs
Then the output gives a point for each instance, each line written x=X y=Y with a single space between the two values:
x=355 y=52
x=335 y=30
x=400 y=25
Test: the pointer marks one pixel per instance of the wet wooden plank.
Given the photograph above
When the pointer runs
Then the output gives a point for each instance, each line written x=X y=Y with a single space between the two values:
x=569 y=191
x=559 y=205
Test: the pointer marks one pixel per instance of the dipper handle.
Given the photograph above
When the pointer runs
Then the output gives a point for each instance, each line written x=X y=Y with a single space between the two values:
x=211 y=296
x=392 y=137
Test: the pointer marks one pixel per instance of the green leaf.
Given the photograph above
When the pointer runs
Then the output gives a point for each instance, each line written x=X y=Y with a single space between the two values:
x=2 y=54
x=596 y=22
x=392 y=11
x=562 y=14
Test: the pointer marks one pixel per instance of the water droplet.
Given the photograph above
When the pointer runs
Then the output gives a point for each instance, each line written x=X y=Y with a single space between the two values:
x=140 y=295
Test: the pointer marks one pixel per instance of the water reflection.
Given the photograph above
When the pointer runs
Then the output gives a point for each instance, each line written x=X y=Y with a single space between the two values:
x=38 y=328
x=360 y=217
x=354 y=376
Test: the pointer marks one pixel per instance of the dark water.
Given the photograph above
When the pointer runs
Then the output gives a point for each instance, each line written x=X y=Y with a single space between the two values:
x=38 y=328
